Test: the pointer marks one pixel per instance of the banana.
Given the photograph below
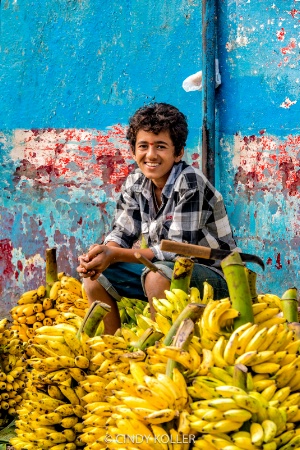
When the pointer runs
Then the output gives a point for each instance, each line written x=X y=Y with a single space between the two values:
x=257 y=340
x=223 y=404
x=28 y=297
x=49 y=419
x=269 y=391
x=54 y=290
x=60 y=349
x=229 y=391
x=266 y=314
x=194 y=295
x=231 y=347
x=243 y=440
x=215 y=314
x=257 y=433
x=54 y=392
x=246 y=402
x=69 y=422
x=269 y=430
x=77 y=373
x=208 y=293
x=221 y=375
x=270 y=299
x=272 y=321
x=70 y=394
x=161 y=416
x=218 y=352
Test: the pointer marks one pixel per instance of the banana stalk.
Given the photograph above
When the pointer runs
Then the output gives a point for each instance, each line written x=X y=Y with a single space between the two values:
x=192 y=311
x=238 y=287
x=96 y=312
x=240 y=376
x=251 y=276
x=148 y=338
x=182 y=273
x=181 y=339
x=289 y=305
x=51 y=269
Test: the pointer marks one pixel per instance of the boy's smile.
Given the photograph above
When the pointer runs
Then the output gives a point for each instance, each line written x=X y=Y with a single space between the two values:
x=155 y=155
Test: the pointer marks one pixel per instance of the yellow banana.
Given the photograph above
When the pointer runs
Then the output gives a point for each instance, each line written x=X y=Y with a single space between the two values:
x=218 y=352
x=269 y=429
x=28 y=297
x=54 y=290
x=257 y=340
x=231 y=347
x=208 y=293
x=70 y=394
x=257 y=433
x=69 y=422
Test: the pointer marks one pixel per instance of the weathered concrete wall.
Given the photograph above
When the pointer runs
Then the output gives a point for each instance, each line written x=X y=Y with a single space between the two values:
x=71 y=75
x=259 y=132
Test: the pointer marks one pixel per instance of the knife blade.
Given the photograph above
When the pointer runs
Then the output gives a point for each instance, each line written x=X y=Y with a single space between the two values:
x=150 y=265
x=205 y=252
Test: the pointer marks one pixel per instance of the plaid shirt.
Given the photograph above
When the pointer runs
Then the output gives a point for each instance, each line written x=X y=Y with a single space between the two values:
x=192 y=211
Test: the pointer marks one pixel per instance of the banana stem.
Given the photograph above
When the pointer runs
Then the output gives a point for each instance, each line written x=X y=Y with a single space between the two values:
x=238 y=287
x=147 y=339
x=251 y=276
x=181 y=339
x=51 y=269
x=96 y=312
x=240 y=376
x=289 y=305
x=182 y=273
x=192 y=311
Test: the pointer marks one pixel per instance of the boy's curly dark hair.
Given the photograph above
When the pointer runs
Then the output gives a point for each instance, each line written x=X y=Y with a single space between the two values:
x=158 y=117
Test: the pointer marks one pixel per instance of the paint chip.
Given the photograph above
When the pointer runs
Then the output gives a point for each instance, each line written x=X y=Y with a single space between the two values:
x=287 y=103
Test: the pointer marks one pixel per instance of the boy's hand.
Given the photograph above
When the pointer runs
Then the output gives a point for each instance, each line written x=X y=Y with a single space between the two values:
x=98 y=258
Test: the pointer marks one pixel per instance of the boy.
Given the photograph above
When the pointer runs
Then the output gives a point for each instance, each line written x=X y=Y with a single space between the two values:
x=164 y=198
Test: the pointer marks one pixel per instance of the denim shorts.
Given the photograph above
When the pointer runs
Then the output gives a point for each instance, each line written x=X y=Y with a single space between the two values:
x=127 y=279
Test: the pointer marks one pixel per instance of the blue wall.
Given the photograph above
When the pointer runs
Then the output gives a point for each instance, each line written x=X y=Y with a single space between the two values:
x=71 y=75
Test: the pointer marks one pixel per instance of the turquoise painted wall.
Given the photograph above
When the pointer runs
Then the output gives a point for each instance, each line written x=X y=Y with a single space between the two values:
x=73 y=72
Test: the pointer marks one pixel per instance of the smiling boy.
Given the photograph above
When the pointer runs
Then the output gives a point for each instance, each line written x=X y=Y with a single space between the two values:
x=164 y=198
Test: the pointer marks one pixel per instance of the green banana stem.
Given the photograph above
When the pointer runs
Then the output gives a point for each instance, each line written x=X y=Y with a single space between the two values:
x=182 y=273
x=181 y=339
x=147 y=339
x=289 y=305
x=251 y=276
x=240 y=376
x=51 y=269
x=192 y=311
x=96 y=312
x=238 y=287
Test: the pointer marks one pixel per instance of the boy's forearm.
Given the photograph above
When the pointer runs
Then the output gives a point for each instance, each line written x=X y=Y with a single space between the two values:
x=127 y=254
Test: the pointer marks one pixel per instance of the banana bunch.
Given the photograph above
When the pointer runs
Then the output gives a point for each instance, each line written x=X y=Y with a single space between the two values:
x=230 y=417
x=130 y=308
x=134 y=405
x=13 y=371
x=51 y=412
x=168 y=308
x=46 y=422
x=35 y=309
x=69 y=296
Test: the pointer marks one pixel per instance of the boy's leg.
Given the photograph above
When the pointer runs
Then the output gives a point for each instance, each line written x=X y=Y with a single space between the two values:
x=203 y=273
x=119 y=280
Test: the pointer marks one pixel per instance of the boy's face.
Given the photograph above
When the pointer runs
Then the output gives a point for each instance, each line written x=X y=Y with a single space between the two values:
x=155 y=155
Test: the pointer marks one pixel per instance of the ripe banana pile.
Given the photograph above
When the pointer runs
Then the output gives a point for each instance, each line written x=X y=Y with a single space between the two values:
x=128 y=398
x=35 y=309
x=12 y=372
x=50 y=415
x=186 y=380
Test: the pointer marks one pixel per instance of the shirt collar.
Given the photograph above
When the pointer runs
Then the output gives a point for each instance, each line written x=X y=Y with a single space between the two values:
x=146 y=187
